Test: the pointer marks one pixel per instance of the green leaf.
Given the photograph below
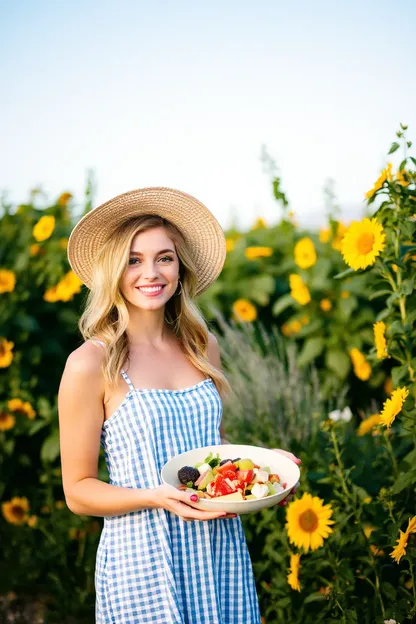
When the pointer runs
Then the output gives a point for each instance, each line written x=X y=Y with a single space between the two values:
x=50 y=448
x=314 y=597
x=407 y=287
x=404 y=480
x=36 y=426
x=346 y=307
x=379 y=293
x=338 y=362
x=394 y=147
x=389 y=591
x=311 y=349
x=281 y=304
x=398 y=373
x=344 y=274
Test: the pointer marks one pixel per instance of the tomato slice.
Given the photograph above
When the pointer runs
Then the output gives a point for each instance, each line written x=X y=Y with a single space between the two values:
x=245 y=475
x=227 y=468
x=221 y=487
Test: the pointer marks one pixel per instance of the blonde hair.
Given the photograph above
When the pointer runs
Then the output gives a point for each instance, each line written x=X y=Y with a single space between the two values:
x=106 y=316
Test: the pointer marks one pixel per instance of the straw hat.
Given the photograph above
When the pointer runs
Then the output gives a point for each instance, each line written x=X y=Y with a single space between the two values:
x=201 y=230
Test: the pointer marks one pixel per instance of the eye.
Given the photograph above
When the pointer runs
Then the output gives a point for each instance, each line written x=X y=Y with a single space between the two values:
x=133 y=259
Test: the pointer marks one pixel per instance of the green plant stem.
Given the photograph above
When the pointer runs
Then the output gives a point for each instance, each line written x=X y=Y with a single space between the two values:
x=378 y=592
x=339 y=462
x=391 y=454
x=413 y=577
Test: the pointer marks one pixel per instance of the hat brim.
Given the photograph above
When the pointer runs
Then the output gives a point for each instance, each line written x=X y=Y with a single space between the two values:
x=201 y=230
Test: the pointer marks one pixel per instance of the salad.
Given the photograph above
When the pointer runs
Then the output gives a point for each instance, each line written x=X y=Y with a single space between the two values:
x=231 y=479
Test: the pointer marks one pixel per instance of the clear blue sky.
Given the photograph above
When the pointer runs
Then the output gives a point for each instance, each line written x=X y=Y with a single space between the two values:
x=184 y=94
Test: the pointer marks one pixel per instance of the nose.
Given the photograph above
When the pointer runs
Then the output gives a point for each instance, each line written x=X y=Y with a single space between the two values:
x=150 y=271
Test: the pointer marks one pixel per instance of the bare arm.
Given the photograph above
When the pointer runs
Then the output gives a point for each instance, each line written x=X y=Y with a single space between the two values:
x=81 y=415
x=215 y=359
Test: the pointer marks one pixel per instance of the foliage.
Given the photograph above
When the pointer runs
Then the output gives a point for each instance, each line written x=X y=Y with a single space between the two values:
x=326 y=358
x=352 y=578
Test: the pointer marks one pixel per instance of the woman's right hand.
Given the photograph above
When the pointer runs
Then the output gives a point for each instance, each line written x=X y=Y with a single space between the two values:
x=180 y=503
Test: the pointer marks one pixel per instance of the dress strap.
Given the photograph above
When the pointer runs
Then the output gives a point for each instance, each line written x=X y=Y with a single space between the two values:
x=127 y=379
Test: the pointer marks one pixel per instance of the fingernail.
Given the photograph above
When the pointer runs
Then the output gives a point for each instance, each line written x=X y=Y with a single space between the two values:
x=293 y=490
x=298 y=461
x=194 y=498
x=233 y=515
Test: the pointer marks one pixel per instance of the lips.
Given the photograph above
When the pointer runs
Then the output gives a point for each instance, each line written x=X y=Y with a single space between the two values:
x=156 y=290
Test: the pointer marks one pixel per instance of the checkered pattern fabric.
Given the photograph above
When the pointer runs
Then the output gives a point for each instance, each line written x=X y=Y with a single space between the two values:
x=152 y=566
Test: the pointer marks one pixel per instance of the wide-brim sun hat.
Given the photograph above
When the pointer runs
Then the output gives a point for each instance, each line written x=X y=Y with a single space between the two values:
x=201 y=230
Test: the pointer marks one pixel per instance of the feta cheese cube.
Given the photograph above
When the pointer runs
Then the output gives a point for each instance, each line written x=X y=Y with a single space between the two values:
x=204 y=468
x=259 y=490
x=261 y=476
x=277 y=487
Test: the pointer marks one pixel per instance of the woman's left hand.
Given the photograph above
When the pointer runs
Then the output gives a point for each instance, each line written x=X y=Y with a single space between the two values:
x=293 y=490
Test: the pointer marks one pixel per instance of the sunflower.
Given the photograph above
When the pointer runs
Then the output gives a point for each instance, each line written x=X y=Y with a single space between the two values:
x=385 y=176
x=7 y=421
x=253 y=253
x=22 y=407
x=393 y=406
x=402 y=177
x=298 y=289
x=400 y=549
x=293 y=576
x=244 y=310
x=229 y=244
x=15 y=511
x=6 y=355
x=305 y=254
x=291 y=328
x=325 y=305
x=380 y=339
x=339 y=236
x=362 y=243
x=324 y=235
x=32 y=521
x=362 y=368
x=259 y=224
x=44 y=228
x=34 y=249
x=308 y=522
x=7 y=280
x=64 y=199
x=368 y=424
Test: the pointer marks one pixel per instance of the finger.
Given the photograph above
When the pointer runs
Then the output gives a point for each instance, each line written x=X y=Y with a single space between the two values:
x=187 y=511
x=289 y=455
x=293 y=490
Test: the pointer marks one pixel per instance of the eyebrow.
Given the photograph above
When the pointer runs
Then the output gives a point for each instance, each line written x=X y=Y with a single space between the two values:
x=139 y=253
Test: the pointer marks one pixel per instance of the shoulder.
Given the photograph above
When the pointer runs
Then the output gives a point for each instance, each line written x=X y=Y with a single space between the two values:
x=86 y=360
x=213 y=350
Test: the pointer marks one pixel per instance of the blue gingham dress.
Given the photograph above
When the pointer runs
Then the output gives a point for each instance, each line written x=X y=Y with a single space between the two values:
x=152 y=566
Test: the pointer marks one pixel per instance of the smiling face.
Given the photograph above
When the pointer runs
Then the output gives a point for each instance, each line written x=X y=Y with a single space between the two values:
x=151 y=277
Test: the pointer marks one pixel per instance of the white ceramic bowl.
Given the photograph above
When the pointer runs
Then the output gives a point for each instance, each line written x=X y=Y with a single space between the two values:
x=287 y=470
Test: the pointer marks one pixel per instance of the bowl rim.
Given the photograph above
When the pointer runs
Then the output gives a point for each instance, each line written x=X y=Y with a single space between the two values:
x=217 y=500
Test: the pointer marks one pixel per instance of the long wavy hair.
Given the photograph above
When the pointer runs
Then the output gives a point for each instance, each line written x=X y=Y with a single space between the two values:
x=106 y=315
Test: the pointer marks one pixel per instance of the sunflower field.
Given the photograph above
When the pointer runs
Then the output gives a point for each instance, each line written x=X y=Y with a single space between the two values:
x=322 y=358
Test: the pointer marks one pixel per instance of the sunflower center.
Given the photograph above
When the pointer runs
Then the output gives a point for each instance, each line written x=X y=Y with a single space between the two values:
x=365 y=243
x=308 y=520
x=17 y=511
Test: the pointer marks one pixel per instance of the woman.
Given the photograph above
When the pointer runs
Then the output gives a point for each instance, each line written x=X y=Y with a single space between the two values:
x=147 y=385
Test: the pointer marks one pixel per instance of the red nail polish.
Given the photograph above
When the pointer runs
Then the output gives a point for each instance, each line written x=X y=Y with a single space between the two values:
x=194 y=498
